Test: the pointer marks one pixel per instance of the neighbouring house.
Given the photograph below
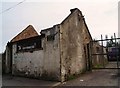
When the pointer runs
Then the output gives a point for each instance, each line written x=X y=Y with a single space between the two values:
x=99 y=57
x=57 y=53
x=3 y=62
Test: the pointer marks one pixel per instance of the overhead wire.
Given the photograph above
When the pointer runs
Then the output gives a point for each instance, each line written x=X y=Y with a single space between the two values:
x=12 y=7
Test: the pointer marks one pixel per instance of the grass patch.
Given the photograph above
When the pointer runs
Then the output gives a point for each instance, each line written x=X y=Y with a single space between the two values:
x=71 y=77
x=76 y=75
x=98 y=66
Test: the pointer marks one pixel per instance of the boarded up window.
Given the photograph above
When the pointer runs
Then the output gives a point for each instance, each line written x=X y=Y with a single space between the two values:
x=30 y=44
x=50 y=38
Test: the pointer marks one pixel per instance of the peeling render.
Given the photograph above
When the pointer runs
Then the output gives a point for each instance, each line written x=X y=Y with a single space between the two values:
x=43 y=63
x=58 y=53
x=74 y=36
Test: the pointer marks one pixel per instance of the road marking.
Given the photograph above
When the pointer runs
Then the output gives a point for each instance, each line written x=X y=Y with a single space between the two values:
x=56 y=84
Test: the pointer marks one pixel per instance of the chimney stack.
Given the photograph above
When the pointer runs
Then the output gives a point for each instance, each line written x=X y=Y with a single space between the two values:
x=72 y=10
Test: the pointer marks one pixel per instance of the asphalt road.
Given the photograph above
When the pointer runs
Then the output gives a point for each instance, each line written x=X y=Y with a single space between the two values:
x=26 y=82
x=101 y=77
x=104 y=77
x=96 y=78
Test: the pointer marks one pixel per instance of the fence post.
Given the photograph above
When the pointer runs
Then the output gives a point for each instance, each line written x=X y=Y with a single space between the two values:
x=117 y=52
x=90 y=56
x=102 y=50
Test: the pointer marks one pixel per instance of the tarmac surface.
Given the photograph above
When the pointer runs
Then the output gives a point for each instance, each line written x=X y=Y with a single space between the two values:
x=25 y=82
x=102 y=77
x=106 y=78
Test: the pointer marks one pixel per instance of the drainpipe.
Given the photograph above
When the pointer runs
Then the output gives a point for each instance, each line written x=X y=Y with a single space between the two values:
x=62 y=78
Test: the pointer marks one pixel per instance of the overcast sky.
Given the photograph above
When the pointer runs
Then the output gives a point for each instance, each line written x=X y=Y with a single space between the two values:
x=101 y=16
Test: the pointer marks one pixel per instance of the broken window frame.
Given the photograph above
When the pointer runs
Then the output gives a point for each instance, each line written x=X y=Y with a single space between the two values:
x=51 y=37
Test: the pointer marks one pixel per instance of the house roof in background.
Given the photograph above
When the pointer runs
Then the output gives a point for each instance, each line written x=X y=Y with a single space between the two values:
x=28 y=32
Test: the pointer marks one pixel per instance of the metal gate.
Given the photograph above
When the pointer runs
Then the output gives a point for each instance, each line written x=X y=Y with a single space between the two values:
x=104 y=53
